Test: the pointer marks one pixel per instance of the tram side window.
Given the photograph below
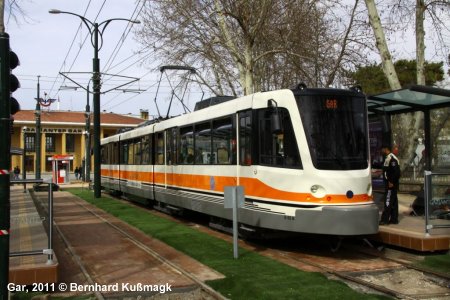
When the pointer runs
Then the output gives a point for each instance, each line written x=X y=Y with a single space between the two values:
x=277 y=148
x=146 y=150
x=115 y=153
x=171 y=146
x=130 y=152
x=110 y=154
x=106 y=152
x=186 y=146
x=124 y=153
x=103 y=154
x=137 y=151
x=245 y=138
x=202 y=141
x=159 y=146
x=222 y=141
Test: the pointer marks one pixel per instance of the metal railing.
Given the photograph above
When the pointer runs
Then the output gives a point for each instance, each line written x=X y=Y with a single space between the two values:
x=49 y=250
x=437 y=201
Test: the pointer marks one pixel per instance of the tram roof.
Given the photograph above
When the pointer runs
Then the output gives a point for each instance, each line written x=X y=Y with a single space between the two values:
x=410 y=99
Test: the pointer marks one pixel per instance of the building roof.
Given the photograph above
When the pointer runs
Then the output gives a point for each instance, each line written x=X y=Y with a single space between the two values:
x=75 y=118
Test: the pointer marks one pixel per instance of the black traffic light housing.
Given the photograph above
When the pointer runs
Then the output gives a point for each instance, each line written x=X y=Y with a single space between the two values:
x=14 y=83
x=8 y=81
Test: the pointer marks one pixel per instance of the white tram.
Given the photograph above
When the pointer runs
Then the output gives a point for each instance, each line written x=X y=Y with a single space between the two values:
x=301 y=155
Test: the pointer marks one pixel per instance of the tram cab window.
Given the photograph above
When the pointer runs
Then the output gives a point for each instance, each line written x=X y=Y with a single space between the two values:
x=277 y=148
x=159 y=146
x=202 y=142
x=186 y=146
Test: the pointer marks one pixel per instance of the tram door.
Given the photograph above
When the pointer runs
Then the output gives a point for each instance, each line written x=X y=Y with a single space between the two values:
x=245 y=147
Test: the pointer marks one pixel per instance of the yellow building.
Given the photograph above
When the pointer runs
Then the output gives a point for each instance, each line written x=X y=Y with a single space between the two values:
x=62 y=133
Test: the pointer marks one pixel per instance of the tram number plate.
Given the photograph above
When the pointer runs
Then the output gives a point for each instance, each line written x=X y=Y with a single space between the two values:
x=289 y=218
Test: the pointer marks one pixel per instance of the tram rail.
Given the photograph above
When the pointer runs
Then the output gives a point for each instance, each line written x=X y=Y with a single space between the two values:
x=388 y=266
x=205 y=291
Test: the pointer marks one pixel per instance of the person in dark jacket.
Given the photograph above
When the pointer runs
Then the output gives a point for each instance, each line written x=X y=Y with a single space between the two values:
x=77 y=172
x=391 y=175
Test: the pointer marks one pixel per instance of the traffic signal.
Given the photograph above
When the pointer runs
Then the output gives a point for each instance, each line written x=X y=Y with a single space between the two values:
x=8 y=81
x=14 y=83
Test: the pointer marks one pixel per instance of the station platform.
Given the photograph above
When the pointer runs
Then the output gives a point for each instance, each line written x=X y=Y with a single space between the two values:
x=410 y=232
x=28 y=235
x=98 y=248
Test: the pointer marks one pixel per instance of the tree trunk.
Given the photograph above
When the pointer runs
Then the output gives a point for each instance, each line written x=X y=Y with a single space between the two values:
x=2 y=16
x=405 y=127
x=243 y=63
x=386 y=59
x=420 y=42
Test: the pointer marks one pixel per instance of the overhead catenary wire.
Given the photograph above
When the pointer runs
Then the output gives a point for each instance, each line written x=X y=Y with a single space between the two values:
x=124 y=36
x=70 y=47
x=144 y=85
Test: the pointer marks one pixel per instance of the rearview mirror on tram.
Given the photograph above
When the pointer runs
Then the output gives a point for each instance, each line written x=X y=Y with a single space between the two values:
x=275 y=120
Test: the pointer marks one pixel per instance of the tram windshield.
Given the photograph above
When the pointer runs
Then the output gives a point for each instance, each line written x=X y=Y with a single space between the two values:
x=336 y=130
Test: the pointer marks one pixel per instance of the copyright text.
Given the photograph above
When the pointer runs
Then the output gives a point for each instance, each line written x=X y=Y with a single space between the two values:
x=75 y=287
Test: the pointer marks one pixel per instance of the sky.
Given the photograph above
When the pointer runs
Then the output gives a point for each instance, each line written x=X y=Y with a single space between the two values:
x=48 y=44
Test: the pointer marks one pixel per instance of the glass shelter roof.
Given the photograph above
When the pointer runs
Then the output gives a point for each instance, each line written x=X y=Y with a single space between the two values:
x=413 y=98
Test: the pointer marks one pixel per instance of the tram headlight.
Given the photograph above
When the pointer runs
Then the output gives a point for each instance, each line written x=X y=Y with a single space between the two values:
x=318 y=191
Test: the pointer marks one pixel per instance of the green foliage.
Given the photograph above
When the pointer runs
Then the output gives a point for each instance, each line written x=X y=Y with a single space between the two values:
x=252 y=276
x=372 y=79
x=437 y=262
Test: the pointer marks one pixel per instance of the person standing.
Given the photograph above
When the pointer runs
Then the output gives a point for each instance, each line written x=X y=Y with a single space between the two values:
x=77 y=171
x=16 y=173
x=391 y=175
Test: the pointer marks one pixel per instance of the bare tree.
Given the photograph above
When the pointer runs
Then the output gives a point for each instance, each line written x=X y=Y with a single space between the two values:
x=10 y=9
x=243 y=46
x=404 y=14
x=406 y=128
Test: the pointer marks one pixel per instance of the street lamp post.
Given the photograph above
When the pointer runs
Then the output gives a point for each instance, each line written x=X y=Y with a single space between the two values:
x=87 y=159
x=96 y=75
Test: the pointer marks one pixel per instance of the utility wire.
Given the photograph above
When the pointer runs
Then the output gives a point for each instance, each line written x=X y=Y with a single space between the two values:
x=124 y=36
x=70 y=48
x=81 y=46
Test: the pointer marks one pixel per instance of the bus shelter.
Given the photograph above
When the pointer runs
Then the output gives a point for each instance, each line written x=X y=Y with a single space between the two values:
x=61 y=168
x=436 y=182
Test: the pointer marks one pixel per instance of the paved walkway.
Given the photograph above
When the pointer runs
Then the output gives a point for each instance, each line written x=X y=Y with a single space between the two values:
x=123 y=258
x=28 y=235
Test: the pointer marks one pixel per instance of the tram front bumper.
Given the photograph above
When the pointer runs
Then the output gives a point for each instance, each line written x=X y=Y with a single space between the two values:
x=339 y=220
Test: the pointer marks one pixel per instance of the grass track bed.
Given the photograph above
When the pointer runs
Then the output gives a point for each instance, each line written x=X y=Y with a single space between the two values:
x=252 y=276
